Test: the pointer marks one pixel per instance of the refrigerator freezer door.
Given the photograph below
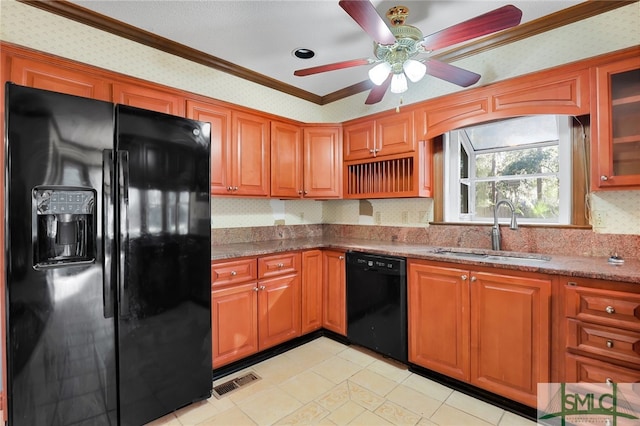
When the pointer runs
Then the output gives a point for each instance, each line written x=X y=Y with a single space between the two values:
x=60 y=346
x=164 y=334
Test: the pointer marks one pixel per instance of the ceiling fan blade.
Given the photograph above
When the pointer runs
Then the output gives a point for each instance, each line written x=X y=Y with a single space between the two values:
x=377 y=92
x=366 y=15
x=331 y=67
x=451 y=73
x=490 y=22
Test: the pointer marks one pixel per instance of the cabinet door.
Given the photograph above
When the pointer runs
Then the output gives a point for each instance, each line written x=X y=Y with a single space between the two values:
x=234 y=323
x=250 y=154
x=395 y=134
x=41 y=75
x=220 y=119
x=359 y=140
x=334 y=316
x=311 y=291
x=148 y=98
x=322 y=162
x=438 y=308
x=616 y=133
x=286 y=160
x=510 y=319
x=278 y=310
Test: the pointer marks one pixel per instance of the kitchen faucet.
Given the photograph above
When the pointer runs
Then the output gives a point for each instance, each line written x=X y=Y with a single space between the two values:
x=495 y=232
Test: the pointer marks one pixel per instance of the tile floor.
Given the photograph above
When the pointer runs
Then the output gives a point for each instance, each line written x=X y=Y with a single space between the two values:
x=326 y=383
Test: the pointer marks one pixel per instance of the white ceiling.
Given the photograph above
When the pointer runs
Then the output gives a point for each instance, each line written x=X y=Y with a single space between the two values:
x=261 y=35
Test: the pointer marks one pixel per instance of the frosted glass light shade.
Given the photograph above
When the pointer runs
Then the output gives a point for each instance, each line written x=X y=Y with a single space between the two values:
x=379 y=73
x=398 y=83
x=414 y=70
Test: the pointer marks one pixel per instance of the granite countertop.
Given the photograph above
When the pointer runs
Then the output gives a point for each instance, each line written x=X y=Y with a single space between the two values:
x=576 y=266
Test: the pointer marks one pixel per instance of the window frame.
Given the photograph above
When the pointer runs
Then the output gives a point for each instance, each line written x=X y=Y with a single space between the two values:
x=451 y=207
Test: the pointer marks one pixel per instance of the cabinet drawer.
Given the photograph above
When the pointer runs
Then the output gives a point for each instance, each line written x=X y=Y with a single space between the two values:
x=613 y=308
x=605 y=341
x=233 y=272
x=280 y=264
x=582 y=369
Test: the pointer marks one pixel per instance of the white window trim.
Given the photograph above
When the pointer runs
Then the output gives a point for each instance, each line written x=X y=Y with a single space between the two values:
x=451 y=196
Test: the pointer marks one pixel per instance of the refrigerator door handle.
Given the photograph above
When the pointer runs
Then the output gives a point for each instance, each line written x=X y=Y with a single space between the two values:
x=123 y=243
x=107 y=231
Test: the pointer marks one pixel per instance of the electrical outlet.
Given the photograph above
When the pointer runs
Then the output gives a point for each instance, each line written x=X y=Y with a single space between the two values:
x=598 y=219
x=377 y=218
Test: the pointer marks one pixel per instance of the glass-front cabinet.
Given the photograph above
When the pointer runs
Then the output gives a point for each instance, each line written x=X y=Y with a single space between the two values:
x=616 y=131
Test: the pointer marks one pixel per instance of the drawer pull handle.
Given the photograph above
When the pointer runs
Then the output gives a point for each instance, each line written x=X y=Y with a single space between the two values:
x=609 y=343
x=280 y=265
x=233 y=273
x=610 y=310
x=608 y=381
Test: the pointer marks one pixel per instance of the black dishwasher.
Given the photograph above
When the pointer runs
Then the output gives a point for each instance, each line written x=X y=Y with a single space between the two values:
x=377 y=303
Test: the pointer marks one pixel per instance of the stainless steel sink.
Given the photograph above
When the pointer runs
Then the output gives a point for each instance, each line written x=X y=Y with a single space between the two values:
x=503 y=257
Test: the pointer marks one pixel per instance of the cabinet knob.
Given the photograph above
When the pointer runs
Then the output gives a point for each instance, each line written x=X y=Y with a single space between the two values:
x=306 y=192
x=280 y=265
x=609 y=343
x=262 y=287
x=233 y=273
x=463 y=277
x=255 y=289
x=608 y=381
x=610 y=310
x=604 y=178
x=235 y=188
x=229 y=188
x=341 y=257
x=474 y=279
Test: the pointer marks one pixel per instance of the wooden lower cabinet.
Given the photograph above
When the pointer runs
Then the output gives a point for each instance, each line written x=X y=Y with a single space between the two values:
x=488 y=328
x=234 y=314
x=334 y=315
x=254 y=308
x=438 y=309
x=311 y=291
x=510 y=334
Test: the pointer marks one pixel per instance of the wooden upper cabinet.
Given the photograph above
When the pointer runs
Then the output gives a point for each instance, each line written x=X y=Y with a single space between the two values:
x=286 y=160
x=220 y=119
x=322 y=165
x=43 y=75
x=149 y=98
x=394 y=134
x=387 y=134
x=250 y=154
x=359 y=139
x=615 y=133
x=305 y=162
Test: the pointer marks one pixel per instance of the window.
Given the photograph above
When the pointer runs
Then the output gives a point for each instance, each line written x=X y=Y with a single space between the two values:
x=526 y=160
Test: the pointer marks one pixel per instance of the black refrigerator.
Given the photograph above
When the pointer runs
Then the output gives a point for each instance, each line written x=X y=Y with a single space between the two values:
x=107 y=261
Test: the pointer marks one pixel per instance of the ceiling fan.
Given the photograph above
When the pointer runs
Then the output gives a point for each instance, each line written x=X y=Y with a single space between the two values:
x=397 y=49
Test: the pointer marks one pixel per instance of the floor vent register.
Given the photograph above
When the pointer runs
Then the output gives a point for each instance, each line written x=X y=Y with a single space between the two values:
x=229 y=386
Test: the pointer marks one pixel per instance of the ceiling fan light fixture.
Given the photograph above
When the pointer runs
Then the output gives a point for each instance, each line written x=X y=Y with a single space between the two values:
x=414 y=70
x=399 y=83
x=379 y=73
